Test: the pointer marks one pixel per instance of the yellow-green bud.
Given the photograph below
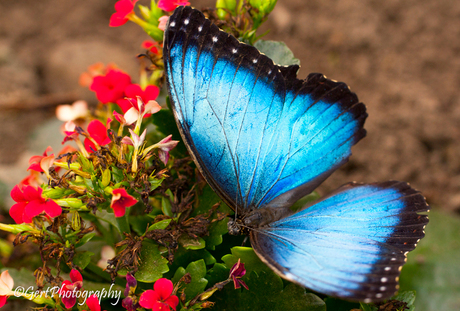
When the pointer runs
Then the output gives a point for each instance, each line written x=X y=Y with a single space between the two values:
x=106 y=177
x=230 y=5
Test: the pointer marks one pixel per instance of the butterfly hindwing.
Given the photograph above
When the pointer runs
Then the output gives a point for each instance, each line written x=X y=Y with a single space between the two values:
x=351 y=243
x=260 y=136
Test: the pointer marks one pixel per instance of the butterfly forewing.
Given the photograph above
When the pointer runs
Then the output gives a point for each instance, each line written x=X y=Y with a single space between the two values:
x=260 y=136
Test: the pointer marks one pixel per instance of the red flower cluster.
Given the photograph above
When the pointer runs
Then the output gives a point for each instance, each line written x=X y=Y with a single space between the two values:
x=160 y=297
x=116 y=87
x=30 y=203
x=133 y=91
x=110 y=87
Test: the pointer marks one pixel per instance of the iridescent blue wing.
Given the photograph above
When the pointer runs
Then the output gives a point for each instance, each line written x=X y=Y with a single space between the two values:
x=260 y=136
x=350 y=244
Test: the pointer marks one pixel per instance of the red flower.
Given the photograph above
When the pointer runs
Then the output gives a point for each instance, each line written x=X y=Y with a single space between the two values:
x=170 y=5
x=94 y=70
x=120 y=201
x=98 y=133
x=132 y=91
x=30 y=203
x=124 y=8
x=160 y=297
x=236 y=273
x=110 y=87
x=68 y=289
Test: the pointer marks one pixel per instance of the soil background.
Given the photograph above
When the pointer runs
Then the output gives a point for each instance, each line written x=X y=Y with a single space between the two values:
x=400 y=56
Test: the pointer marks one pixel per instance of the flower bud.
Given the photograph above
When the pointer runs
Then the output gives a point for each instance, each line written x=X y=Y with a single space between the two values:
x=230 y=5
x=106 y=177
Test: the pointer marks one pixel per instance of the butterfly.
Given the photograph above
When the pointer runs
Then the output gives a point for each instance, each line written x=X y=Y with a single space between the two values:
x=263 y=139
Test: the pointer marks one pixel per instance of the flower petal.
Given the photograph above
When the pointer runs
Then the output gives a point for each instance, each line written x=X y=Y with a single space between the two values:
x=75 y=276
x=148 y=299
x=17 y=212
x=172 y=301
x=163 y=287
x=17 y=195
x=93 y=303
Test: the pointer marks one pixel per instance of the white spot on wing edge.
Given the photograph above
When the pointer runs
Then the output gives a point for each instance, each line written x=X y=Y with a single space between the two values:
x=186 y=21
x=367 y=300
x=214 y=39
x=383 y=280
x=387 y=268
x=172 y=24
x=200 y=28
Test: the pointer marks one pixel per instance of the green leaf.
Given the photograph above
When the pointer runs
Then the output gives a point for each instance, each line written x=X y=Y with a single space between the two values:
x=266 y=292
x=82 y=259
x=248 y=257
x=183 y=257
x=408 y=297
x=306 y=200
x=166 y=207
x=153 y=265
x=166 y=124
x=197 y=270
x=163 y=224
x=278 y=52
x=216 y=230
x=86 y=238
x=191 y=243
x=367 y=307
x=207 y=200
x=218 y=273
x=432 y=269
x=340 y=305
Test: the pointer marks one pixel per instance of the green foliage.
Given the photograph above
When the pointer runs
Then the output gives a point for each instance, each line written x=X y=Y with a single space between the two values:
x=152 y=264
x=278 y=52
x=266 y=288
x=197 y=270
x=433 y=269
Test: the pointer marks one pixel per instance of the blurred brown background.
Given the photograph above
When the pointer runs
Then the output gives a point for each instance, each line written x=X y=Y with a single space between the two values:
x=400 y=56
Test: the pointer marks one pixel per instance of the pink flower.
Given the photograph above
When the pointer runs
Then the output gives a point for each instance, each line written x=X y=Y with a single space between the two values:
x=160 y=297
x=110 y=87
x=98 y=133
x=77 y=110
x=152 y=46
x=93 y=303
x=6 y=287
x=107 y=253
x=162 y=22
x=133 y=91
x=166 y=145
x=32 y=180
x=30 y=203
x=170 y=5
x=35 y=162
x=124 y=9
x=120 y=201
x=68 y=289
x=94 y=70
x=236 y=273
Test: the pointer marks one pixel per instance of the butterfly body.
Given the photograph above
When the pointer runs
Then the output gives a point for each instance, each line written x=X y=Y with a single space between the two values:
x=263 y=139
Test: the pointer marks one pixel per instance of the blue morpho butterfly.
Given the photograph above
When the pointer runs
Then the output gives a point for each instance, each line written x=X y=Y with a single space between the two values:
x=263 y=139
